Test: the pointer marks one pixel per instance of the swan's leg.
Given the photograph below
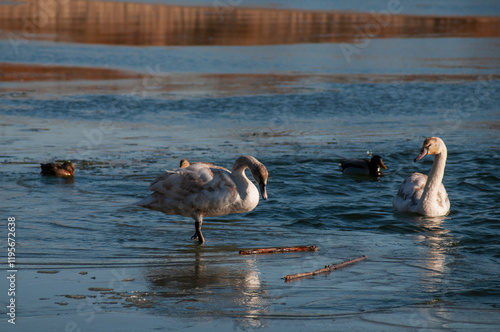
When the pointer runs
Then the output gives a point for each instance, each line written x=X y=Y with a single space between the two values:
x=198 y=236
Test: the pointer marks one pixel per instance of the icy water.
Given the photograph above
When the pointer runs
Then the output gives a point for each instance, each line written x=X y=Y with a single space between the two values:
x=88 y=259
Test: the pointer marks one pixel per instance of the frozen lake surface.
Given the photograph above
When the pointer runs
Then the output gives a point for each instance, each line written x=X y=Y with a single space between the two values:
x=300 y=108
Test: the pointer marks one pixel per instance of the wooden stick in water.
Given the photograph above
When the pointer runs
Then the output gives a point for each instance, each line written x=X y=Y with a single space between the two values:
x=326 y=269
x=277 y=250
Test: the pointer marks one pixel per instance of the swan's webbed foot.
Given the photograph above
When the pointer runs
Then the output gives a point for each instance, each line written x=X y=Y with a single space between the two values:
x=198 y=236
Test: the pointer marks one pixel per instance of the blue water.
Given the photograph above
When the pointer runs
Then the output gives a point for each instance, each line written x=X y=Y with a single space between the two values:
x=138 y=270
x=420 y=272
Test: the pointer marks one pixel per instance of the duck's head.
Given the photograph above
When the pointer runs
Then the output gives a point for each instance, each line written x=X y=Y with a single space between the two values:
x=377 y=160
x=431 y=145
x=68 y=166
x=184 y=163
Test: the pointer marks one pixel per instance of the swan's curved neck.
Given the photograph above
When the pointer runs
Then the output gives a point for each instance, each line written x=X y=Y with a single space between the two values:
x=239 y=174
x=243 y=163
x=247 y=191
x=435 y=177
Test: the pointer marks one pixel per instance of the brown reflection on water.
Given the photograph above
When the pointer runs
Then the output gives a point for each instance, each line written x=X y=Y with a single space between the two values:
x=11 y=72
x=39 y=79
x=123 y=23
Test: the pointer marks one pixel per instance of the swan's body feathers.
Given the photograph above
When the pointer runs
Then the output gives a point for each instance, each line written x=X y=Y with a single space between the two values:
x=410 y=192
x=424 y=194
x=203 y=190
x=197 y=188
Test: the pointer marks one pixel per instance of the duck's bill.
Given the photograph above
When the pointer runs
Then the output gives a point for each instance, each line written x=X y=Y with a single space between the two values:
x=382 y=164
x=263 y=191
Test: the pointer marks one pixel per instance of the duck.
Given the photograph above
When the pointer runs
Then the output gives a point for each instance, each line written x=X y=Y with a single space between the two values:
x=185 y=163
x=67 y=169
x=203 y=190
x=363 y=166
x=422 y=194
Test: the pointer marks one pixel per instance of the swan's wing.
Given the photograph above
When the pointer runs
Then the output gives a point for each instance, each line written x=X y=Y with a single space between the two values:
x=218 y=195
x=442 y=198
x=181 y=182
x=198 y=188
x=412 y=186
x=410 y=192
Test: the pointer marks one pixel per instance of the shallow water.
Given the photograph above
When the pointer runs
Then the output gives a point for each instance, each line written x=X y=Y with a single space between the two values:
x=138 y=269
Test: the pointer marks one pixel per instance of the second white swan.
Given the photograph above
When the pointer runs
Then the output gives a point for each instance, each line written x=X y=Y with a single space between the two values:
x=424 y=194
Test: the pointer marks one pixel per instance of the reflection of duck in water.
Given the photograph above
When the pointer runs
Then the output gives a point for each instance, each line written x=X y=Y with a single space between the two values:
x=201 y=190
x=67 y=169
x=363 y=166
x=424 y=194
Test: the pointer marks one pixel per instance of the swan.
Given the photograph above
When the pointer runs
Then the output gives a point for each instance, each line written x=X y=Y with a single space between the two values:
x=202 y=190
x=67 y=169
x=363 y=166
x=426 y=195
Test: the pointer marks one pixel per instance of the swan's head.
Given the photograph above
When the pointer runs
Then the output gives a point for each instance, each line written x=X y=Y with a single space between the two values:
x=377 y=160
x=432 y=145
x=260 y=176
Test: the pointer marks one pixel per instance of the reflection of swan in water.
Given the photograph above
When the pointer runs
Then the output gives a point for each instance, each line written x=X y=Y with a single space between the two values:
x=211 y=287
x=433 y=254
x=435 y=239
x=421 y=194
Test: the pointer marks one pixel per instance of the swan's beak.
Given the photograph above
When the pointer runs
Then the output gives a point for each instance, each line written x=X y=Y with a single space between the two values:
x=422 y=154
x=382 y=164
x=263 y=190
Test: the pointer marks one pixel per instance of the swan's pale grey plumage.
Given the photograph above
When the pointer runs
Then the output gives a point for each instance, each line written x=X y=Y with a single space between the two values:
x=203 y=190
x=424 y=194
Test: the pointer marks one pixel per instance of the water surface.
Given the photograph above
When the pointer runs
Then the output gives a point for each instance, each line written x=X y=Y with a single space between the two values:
x=299 y=109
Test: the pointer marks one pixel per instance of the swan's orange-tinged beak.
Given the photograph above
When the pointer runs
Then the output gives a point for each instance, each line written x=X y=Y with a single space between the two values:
x=263 y=190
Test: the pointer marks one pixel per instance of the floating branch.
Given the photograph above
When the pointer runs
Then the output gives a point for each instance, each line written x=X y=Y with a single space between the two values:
x=277 y=250
x=326 y=269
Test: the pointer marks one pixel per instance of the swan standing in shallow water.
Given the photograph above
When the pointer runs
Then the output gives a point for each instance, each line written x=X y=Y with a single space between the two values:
x=426 y=195
x=203 y=190
x=363 y=166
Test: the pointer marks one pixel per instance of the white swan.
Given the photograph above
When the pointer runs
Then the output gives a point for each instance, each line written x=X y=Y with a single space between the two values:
x=203 y=190
x=426 y=195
